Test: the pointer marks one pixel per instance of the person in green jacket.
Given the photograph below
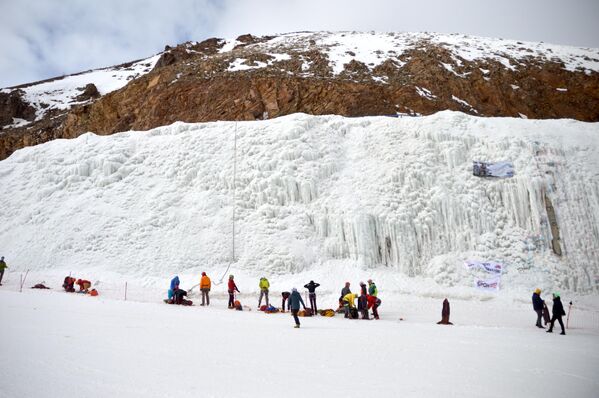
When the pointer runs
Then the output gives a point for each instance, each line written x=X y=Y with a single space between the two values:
x=264 y=285
x=372 y=290
x=3 y=266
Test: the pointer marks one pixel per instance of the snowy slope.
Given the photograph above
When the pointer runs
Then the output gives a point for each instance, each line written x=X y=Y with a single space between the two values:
x=61 y=93
x=374 y=48
x=326 y=196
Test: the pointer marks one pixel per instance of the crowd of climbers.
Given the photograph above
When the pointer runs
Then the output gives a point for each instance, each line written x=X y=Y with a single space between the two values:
x=292 y=301
x=367 y=299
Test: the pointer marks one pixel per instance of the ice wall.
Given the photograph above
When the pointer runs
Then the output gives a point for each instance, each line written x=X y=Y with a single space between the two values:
x=372 y=192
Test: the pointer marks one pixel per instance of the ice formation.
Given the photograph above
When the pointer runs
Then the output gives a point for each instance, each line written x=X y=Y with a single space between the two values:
x=377 y=192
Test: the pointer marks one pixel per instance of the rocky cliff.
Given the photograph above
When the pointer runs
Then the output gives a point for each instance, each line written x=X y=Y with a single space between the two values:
x=346 y=73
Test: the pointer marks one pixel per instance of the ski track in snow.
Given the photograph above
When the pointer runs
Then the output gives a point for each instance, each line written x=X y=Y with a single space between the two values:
x=324 y=197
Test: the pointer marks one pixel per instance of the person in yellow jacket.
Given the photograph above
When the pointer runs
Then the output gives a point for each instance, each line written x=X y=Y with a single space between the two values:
x=3 y=266
x=205 y=286
x=348 y=303
x=264 y=285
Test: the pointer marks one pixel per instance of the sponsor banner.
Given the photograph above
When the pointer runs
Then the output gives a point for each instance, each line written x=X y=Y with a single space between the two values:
x=497 y=169
x=489 y=266
x=488 y=284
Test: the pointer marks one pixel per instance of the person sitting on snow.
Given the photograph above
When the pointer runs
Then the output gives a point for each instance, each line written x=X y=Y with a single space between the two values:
x=178 y=297
x=69 y=284
x=174 y=287
x=205 y=285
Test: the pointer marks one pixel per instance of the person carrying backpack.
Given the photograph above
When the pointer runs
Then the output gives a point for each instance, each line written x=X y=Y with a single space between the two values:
x=264 y=285
x=294 y=305
x=349 y=304
x=537 y=305
x=232 y=288
x=558 y=312
x=3 y=266
x=205 y=285
x=312 y=294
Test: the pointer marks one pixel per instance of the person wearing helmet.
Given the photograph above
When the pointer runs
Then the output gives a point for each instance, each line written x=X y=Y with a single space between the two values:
x=232 y=288
x=205 y=285
x=264 y=285
x=558 y=312
x=537 y=305
x=294 y=305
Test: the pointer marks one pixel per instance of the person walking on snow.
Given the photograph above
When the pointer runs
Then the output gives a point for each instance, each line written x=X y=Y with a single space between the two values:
x=3 y=266
x=264 y=285
x=537 y=305
x=294 y=305
x=205 y=285
x=312 y=295
x=285 y=296
x=558 y=312
x=232 y=288
x=174 y=287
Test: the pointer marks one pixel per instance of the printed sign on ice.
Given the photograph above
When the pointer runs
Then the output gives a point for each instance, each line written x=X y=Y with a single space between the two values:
x=487 y=284
x=489 y=266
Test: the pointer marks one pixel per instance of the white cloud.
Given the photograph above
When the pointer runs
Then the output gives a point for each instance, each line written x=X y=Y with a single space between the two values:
x=41 y=39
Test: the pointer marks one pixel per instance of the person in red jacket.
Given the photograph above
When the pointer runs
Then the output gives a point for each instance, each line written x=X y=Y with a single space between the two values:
x=84 y=285
x=232 y=288
x=374 y=302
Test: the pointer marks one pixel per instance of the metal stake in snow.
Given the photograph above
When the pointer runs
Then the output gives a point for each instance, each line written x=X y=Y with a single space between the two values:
x=125 y=291
x=234 y=205
x=23 y=281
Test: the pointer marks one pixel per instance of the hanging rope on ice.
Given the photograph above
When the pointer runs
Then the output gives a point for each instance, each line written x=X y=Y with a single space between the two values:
x=234 y=204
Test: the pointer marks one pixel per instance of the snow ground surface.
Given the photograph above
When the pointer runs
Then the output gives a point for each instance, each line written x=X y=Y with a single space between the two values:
x=54 y=343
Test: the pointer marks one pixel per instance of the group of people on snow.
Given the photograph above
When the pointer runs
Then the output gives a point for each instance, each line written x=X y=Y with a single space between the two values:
x=367 y=299
x=538 y=304
x=84 y=285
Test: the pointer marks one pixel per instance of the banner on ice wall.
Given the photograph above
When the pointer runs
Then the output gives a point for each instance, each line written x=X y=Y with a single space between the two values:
x=497 y=169
x=487 y=284
x=489 y=266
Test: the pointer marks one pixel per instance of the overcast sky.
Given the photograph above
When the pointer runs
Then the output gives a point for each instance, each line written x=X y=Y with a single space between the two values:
x=45 y=38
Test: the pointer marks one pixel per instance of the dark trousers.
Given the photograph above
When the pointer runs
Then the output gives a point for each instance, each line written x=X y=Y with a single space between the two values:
x=539 y=317
x=294 y=313
x=559 y=319
x=205 y=296
x=312 y=297
x=1 y=275
x=231 y=298
x=375 y=311
x=283 y=303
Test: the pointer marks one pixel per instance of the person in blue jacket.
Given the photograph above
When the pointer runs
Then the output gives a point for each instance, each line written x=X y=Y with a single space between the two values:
x=294 y=304
x=537 y=305
x=174 y=287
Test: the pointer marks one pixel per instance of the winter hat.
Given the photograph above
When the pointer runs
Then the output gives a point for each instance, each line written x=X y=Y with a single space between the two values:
x=538 y=291
x=362 y=284
x=203 y=274
x=293 y=289
x=369 y=280
x=556 y=294
x=230 y=276
x=2 y=258
x=347 y=283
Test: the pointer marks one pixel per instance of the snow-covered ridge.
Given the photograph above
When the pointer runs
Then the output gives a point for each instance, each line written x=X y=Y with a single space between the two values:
x=62 y=93
x=312 y=191
x=373 y=48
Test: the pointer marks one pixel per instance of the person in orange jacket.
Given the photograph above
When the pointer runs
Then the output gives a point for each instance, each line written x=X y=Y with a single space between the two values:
x=84 y=285
x=205 y=286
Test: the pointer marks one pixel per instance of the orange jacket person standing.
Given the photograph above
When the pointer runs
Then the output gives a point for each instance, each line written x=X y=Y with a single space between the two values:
x=205 y=286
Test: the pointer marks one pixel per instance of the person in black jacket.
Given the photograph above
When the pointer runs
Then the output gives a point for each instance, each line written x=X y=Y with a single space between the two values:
x=537 y=305
x=312 y=295
x=558 y=312
x=294 y=305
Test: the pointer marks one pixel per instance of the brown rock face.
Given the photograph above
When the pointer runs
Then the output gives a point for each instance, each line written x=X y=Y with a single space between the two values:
x=263 y=78
x=12 y=106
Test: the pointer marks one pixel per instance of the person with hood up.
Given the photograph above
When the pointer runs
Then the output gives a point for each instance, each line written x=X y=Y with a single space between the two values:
x=312 y=295
x=3 y=266
x=363 y=301
x=537 y=305
x=558 y=312
x=294 y=305
x=205 y=285
x=174 y=287
x=263 y=285
x=232 y=288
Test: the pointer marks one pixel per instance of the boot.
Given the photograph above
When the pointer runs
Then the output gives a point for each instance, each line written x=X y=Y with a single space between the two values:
x=563 y=333
x=296 y=326
x=550 y=331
